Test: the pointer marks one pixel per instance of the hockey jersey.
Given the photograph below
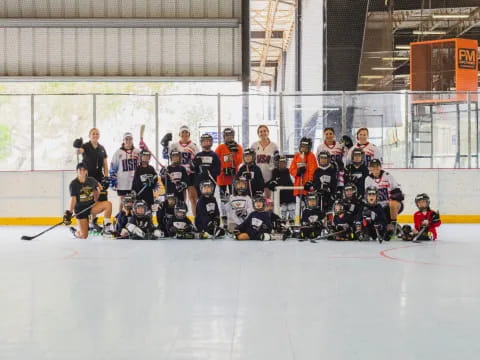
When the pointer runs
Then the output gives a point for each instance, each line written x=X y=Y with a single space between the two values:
x=209 y=168
x=356 y=175
x=144 y=223
x=121 y=220
x=420 y=216
x=311 y=165
x=371 y=152
x=188 y=151
x=139 y=182
x=312 y=216
x=228 y=160
x=265 y=158
x=176 y=225
x=325 y=179
x=336 y=151
x=384 y=184
x=123 y=165
x=238 y=208
x=283 y=178
x=256 y=224
x=207 y=210
x=175 y=174
x=256 y=182
x=164 y=214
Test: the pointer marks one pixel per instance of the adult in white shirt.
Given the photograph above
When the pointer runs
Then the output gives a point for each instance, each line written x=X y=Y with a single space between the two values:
x=371 y=151
x=266 y=153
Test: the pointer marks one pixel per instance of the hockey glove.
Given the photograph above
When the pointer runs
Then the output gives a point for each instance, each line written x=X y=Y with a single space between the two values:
x=105 y=183
x=67 y=217
x=166 y=139
x=308 y=186
x=197 y=162
x=181 y=186
x=272 y=184
x=232 y=146
x=301 y=171
x=165 y=152
x=435 y=217
x=397 y=195
x=113 y=181
x=247 y=175
x=77 y=143
x=228 y=171
x=135 y=230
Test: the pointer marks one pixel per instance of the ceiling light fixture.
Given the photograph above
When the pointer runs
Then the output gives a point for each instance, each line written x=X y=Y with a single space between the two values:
x=429 y=32
x=396 y=58
x=372 y=76
x=383 y=68
x=450 y=16
x=402 y=47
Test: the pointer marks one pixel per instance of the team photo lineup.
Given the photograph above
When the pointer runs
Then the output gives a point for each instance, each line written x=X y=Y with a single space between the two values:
x=342 y=191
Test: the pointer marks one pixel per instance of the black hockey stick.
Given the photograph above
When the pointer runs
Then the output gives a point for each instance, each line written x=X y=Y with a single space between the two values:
x=420 y=233
x=326 y=236
x=25 y=237
x=379 y=238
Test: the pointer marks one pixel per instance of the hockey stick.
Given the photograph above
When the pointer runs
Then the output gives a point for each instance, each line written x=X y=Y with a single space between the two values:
x=326 y=236
x=379 y=238
x=143 y=145
x=420 y=233
x=25 y=237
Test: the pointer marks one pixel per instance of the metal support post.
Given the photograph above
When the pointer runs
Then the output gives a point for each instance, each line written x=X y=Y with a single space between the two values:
x=282 y=123
x=469 y=130
x=32 y=132
x=406 y=128
x=157 y=124
x=219 y=118
x=94 y=110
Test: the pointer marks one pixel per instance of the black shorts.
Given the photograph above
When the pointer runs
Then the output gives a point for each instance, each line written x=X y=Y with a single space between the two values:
x=191 y=180
x=83 y=215
x=123 y=192
x=103 y=196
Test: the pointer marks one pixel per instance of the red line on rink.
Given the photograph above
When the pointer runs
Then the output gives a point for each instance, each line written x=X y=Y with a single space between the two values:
x=73 y=254
x=383 y=253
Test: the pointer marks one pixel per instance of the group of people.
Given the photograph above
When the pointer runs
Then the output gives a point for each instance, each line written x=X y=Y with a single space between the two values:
x=343 y=191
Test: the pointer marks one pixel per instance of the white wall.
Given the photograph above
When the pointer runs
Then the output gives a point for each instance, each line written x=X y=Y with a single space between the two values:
x=45 y=193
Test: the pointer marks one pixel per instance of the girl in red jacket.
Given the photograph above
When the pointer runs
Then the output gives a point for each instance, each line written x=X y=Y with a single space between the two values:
x=425 y=218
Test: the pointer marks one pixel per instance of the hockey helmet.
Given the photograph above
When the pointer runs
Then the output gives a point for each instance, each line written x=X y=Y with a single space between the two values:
x=175 y=157
x=228 y=132
x=311 y=201
x=127 y=202
x=145 y=154
x=249 y=156
x=305 y=144
x=207 y=188
x=140 y=208
x=171 y=199
x=349 y=191
x=259 y=203
x=206 y=141
x=323 y=158
x=180 y=210
x=372 y=195
x=420 y=197
x=241 y=186
x=358 y=156
x=282 y=161
x=375 y=162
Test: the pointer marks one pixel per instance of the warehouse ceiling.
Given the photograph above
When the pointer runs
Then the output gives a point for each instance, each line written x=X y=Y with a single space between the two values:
x=178 y=39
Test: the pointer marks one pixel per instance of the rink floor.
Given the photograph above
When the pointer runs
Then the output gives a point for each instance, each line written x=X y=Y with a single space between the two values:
x=64 y=298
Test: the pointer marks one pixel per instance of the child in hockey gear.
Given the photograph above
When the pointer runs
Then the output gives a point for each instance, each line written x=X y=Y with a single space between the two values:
x=175 y=177
x=303 y=165
x=279 y=229
x=336 y=152
x=371 y=222
x=140 y=226
x=371 y=151
x=123 y=165
x=206 y=163
x=281 y=177
x=252 y=173
x=207 y=220
x=389 y=194
x=324 y=181
x=425 y=219
x=166 y=211
x=84 y=192
x=342 y=222
x=239 y=205
x=145 y=176
x=230 y=154
x=122 y=218
x=258 y=225
x=351 y=202
x=356 y=172
x=312 y=217
x=179 y=226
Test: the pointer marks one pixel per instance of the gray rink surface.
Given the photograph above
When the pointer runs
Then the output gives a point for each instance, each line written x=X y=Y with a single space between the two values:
x=65 y=298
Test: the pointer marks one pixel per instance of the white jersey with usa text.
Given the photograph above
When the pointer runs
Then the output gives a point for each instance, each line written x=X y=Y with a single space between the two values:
x=264 y=158
x=384 y=184
x=123 y=165
x=371 y=152
x=188 y=151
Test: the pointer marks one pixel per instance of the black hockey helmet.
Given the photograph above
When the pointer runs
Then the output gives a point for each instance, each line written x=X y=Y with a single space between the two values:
x=204 y=138
x=240 y=186
x=127 y=202
x=140 y=208
x=338 y=207
x=259 y=203
x=228 y=131
x=370 y=191
x=323 y=155
x=283 y=159
x=251 y=154
x=180 y=210
x=358 y=152
x=305 y=143
x=207 y=188
x=175 y=157
x=171 y=199
x=349 y=191
x=375 y=162
x=311 y=200
x=422 y=196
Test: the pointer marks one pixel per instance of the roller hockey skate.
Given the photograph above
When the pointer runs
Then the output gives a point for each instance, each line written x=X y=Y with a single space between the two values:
x=94 y=228
x=107 y=232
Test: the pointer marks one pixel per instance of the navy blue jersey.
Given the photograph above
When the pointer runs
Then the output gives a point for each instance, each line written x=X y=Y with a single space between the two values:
x=208 y=169
x=143 y=222
x=325 y=179
x=311 y=216
x=175 y=175
x=374 y=213
x=257 y=184
x=283 y=178
x=356 y=175
x=139 y=181
x=207 y=210
x=175 y=225
x=352 y=207
x=122 y=219
x=344 y=219
x=256 y=224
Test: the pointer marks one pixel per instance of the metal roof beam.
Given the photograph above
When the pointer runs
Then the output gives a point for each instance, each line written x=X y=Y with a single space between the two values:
x=276 y=34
